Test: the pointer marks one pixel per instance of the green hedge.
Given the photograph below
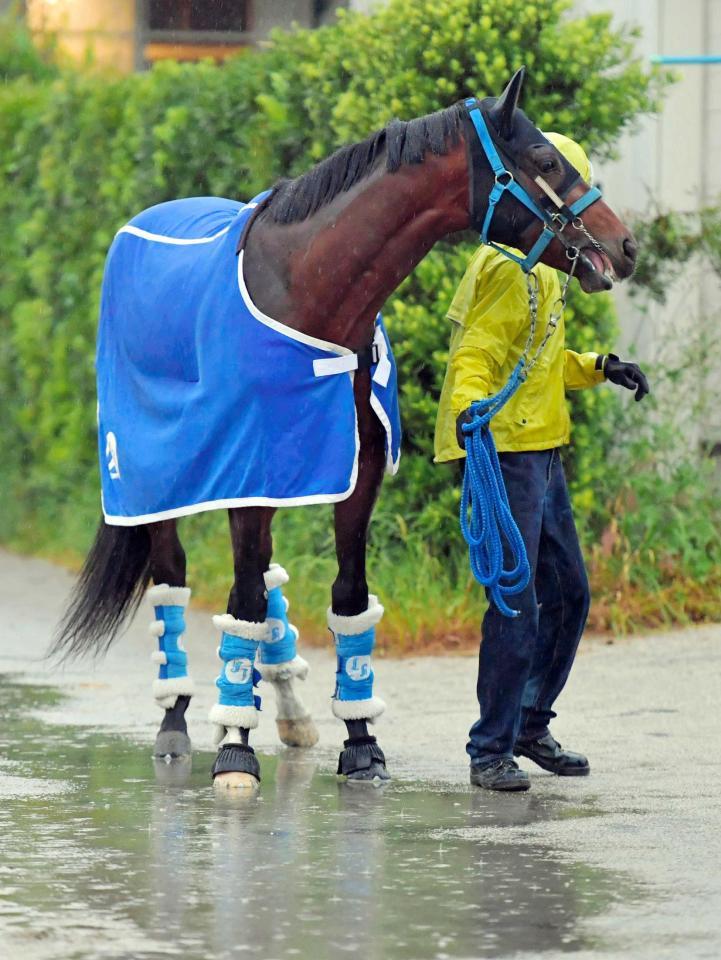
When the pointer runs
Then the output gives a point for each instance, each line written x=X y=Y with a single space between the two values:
x=82 y=153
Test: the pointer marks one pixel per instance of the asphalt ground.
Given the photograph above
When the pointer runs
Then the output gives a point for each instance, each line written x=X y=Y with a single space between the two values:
x=642 y=832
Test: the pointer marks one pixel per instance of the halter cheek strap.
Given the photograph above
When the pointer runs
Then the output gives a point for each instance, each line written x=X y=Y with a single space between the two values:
x=554 y=219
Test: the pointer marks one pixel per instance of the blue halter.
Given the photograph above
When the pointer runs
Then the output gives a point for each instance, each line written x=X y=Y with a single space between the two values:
x=554 y=222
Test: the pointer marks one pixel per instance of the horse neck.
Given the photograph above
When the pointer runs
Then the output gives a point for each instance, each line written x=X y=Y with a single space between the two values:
x=328 y=275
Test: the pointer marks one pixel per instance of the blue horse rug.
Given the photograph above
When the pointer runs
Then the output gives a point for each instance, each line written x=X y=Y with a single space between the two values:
x=206 y=403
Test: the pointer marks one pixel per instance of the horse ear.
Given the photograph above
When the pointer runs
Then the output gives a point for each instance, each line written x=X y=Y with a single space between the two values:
x=501 y=113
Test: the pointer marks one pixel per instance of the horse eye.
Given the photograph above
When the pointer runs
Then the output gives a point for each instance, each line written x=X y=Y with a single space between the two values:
x=547 y=166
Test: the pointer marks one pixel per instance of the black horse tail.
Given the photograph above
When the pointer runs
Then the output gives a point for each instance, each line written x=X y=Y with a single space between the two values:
x=109 y=590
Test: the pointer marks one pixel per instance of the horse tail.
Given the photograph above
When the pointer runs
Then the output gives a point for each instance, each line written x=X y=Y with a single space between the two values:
x=108 y=591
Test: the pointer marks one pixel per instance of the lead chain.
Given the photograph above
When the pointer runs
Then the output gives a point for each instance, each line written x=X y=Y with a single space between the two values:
x=554 y=318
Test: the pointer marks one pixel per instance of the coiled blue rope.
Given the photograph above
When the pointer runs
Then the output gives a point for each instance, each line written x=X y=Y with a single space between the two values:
x=486 y=518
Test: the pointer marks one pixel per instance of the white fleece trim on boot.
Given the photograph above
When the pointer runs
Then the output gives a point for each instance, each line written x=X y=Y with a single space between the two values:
x=157 y=628
x=271 y=672
x=275 y=576
x=224 y=717
x=350 y=626
x=166 y=692
x=358 y=709
x=161 y=595
x=246 y=629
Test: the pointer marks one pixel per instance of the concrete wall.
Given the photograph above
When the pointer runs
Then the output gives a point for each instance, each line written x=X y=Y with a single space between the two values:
x=664 y=162
x=671 y=162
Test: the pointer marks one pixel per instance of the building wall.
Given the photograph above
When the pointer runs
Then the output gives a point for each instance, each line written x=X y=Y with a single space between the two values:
x=664 y=162
x=105 y=26
x=669 y=163
x=281 y=13
x=364 y=6
x=114 y=30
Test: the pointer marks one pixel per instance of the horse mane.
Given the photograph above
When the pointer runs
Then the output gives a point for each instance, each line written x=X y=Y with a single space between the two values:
x=402 y=141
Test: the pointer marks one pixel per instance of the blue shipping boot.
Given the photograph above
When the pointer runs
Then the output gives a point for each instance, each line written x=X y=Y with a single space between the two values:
x=173 y=679
x=281 y=666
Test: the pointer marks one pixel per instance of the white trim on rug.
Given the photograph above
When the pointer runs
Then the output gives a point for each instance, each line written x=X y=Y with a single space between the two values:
x=178 y=241
x=378 y=409
x=282 y=327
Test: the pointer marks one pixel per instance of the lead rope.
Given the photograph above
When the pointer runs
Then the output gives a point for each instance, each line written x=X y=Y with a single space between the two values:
x=486 y=518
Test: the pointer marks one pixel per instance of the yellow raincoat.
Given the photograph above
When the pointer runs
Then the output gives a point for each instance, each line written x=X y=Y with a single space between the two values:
x=490 y=320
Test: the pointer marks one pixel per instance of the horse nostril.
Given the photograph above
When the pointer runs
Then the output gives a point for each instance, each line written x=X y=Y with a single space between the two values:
x=630 y=249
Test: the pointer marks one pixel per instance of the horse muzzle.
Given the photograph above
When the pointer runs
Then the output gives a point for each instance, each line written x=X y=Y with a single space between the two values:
x=599 y=269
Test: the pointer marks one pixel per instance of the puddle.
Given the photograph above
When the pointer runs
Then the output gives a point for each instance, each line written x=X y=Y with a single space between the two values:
x=99 y=860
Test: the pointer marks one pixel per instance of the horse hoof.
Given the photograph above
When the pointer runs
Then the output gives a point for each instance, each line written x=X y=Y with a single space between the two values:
x=301 y=732
x=236 y=783
x=173 y=744
x=236 y=769
x=375 y=774
x=363 y=761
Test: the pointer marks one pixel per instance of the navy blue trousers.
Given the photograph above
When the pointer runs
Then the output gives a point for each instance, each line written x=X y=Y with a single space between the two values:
x=524 y=662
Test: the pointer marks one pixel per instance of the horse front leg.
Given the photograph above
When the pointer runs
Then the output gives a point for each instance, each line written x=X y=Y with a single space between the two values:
x=242 y=629
x=169 y=598
x=354 y=612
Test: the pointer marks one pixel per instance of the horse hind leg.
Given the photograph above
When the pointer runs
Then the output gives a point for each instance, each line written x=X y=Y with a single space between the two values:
x=242 y=630
x=169 y=598
x=281 y=666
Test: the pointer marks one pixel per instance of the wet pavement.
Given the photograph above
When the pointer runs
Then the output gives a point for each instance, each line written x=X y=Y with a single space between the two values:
x=103 y=855
x=101 y=858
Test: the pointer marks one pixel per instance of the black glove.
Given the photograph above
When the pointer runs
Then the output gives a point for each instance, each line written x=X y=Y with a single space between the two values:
x=462 y=418
x=625 y=374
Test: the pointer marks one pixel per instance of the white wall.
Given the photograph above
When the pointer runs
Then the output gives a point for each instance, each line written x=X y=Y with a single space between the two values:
x=669 y=162
x=275 y=13
x=364 y=6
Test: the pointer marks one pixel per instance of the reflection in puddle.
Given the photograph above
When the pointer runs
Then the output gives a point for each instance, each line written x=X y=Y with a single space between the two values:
x=100 y=860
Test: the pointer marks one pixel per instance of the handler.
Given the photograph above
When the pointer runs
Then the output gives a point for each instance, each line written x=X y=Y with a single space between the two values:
x=525 y=661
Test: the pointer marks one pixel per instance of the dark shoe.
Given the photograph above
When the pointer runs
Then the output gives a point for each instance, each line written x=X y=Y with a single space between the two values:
x=501 y=775
x=548 y=753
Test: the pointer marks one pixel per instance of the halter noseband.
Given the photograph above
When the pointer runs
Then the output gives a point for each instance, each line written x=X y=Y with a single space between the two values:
x=554 y=213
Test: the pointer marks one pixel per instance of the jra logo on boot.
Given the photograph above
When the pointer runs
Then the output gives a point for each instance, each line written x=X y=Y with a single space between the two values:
x=358 y=668
x=277 y=630
x=239 y=671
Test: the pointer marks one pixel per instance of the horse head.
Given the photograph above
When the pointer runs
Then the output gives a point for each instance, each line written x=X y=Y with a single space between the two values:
x=525 y=194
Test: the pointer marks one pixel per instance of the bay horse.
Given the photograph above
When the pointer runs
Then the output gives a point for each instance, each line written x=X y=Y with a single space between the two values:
x=191 y=361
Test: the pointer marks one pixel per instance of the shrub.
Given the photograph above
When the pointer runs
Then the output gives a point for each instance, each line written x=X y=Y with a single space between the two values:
x=80 y=154
x=20 y=56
